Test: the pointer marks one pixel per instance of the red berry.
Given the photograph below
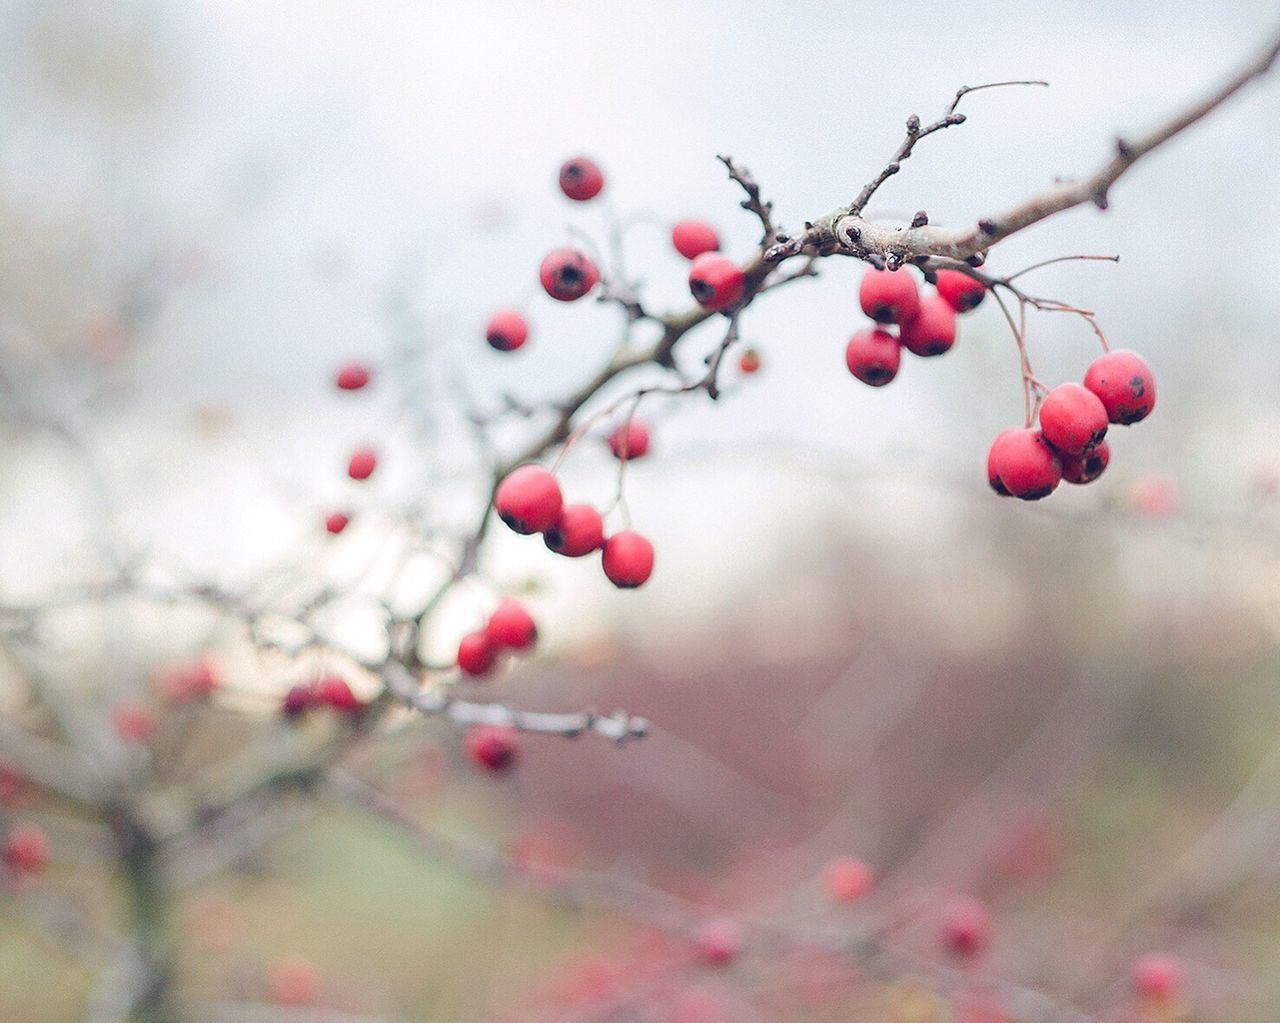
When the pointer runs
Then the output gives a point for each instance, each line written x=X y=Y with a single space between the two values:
x=628 y=559
x=293 y=981
x=496 y=747
x=581 y=179
x=889 y=296
x=1021 y=463
x=337 y=522
x=567 y=274
x=959 y=290
x=716 y=281
x=719 y=942
x=194 y=680
x=1087 y=466
x=362 y=464
x=133 y=722
x=579 y=531
x=298 y=699
x=1072 y=418
x=966 y=927
x=529 y=500
x=1124 y=383
x=1157 y=977
x=749 y=361
x=630 y=440
x=477 y=654
x=848 y=878
x=511 y=626
x=694 y=237
x=353 y=376
x=933 y=329
x=26 y=849
x=507 y=330
x=13 y=783
x=335 y=692
x=873 y=356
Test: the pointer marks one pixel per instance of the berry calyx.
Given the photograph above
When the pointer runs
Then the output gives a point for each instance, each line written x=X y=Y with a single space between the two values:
x=362 y=464
x=477 y=654
x=579 y=531
x=1086 y=466
x=889 y=296
x=1072 y=418
x=959 y=290
x=581 y=179
x=749 y=361
x=529 y=500
x=719 y=942
x=848 y=878
x=567 y=274
x=873 y=356
x=26 y=849
x=627 y=559
x=1124 y=383
x=1022 y=464
x=716 y=281
x=353 y=376
x=966 y=927
x=1156 y=977
x=335 y=692
x=493 y=747
x=506 y=330
x=630 y=439
x=692 y=238
x=336 y=522
x=511 y=626
x=932 y=330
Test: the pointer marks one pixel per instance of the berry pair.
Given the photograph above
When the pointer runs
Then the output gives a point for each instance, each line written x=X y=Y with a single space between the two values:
x=331 y=691
x=509 y=628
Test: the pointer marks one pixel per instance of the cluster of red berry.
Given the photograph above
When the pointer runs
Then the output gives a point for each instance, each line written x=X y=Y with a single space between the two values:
x=1070 y=444
x=332 y=691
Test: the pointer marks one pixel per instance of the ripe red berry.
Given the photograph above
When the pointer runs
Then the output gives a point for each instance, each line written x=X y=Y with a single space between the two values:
x=298 y=699
x=1125 y=384
x=1072 y=418
x=694 y=237
x=873 y=356
x=628 y=559
x=529 y=499
x=716 y=281
x=477 y=654
x=362 y=464
x=133 y=722
x=1021 y=463
x=1157 y=977
x=506 y=330
x=932 y=330
x=581 y=179
x=337 y=522
x=630 y=439
x=959 y=290
x=293 y=981
x=334 y=691
x=26 y=849
x=511 y=626
x=889 y=296
x=353 y=376
x=194 y=680
x=579 y=531
x=848 y=878
x=1086 y=466
x=966 y=927
x=567 y=274
x=749 y=361
x=718 y=942
x=495 y=747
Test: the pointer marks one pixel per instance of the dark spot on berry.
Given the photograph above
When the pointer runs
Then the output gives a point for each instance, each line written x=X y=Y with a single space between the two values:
x=512 y=521
x=554 y=538
x=1093 y=466
x=884 y=312
x=1037 y=494
x=969 y=299
x=936 y=347
x=499 y=341
x=702 y=290
x=569 y=275
x=573 y=171
x=1097 y=436
x=1138 y=387
x=1129 y=416
x=997 y=484
x=876 y=376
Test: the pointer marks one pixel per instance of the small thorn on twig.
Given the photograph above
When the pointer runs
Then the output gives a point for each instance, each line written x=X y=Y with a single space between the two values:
x=987 y=226
x=893 y=168
x=913 y=124
x=1123 y=148
x=921 y=219
x=976 y=260
x=1100 y=200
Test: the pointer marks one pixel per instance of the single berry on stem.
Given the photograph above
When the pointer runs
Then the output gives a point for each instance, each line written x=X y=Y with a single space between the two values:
x=716 y=281
x=630 y=439
x=692 y=238
x=873 y=356
x=494 y=747
x=718 y=942
x=299 y=698
x=1124 y=383
x=477 y=654
x=335 y=692
x=1072 y=418
x=337 y=522
x=353 y=376
x=749 y=361
x=579 y=531
x=628 y=559
x=529 y=499
x=26 y=849
x=1022 y=463
x=889 y=296
x=959 y=290
x=581 y=179
x=506 y=330
x=966 y=927
x=511 y=626
x=848 y=878
x=932 y=330
x=363 y=462
x=567 y=274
